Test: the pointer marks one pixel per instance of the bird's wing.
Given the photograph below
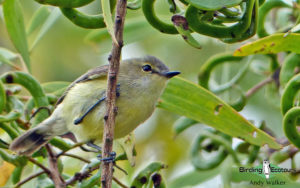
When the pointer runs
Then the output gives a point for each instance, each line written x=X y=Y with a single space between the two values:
x=92 y=74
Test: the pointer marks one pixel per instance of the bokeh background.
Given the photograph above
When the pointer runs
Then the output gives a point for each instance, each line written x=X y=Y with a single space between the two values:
x=65 y=52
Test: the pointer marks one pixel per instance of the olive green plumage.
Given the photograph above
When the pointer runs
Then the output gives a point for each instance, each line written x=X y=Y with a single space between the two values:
x=140 y=80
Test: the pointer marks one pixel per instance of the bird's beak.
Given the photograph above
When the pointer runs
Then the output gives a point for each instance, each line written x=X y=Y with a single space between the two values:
x=171 y=74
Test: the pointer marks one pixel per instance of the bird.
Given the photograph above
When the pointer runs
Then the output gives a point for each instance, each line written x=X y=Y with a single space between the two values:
x=81 y=109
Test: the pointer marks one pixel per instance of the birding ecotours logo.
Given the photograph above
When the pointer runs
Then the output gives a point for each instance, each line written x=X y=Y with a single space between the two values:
x=266 y=174
x=266 y=168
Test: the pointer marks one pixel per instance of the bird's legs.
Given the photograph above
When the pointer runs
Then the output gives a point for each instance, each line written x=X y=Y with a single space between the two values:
x=98 y=149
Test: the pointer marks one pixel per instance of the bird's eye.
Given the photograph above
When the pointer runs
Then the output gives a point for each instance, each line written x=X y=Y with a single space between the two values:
x=147 y=68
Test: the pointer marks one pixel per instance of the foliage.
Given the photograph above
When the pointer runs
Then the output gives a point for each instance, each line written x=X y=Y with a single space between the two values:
x=208 y=103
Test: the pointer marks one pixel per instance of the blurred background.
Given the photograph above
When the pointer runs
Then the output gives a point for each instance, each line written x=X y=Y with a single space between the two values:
x=67 y=51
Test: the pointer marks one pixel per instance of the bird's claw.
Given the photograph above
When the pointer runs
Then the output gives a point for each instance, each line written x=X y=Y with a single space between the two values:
x=118 y=90
x=110 y=159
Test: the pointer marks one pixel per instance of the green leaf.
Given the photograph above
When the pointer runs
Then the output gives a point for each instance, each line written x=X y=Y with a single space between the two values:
x=5 y=61
x=271 y=45
x=7 y=54
x=181 y=25
x=128 y=143
x=214 y=5
x=108 y=19
x=92 y=181
x=54 y=15
x=37 y=19
x=182 y=124
x=193 y=101
x=16 y=29
x=56 y=88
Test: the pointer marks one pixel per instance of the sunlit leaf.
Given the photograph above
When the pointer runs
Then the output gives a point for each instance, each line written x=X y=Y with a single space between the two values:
x=190 y=100
x=16 y=29
x=214 y=5
x=128 y=143
x=38 y=18
x=271 y=45
x=5 y=170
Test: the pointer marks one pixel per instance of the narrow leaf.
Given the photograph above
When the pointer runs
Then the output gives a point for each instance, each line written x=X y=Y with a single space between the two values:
x=46 y=26
x=128 y=144
x=271 y=45
x=56 y=88
x=16 y=29
x=7 y=54
x=108 y=19
x=193 y=101
x=37 y=19
x=5 y=61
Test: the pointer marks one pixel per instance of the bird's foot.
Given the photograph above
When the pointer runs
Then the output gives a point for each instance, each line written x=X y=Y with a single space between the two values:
x=110 y=159
x=91 y=144
x=118 y=90
x=94 y=146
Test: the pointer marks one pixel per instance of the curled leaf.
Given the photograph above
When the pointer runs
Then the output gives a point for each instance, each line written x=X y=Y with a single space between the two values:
x=182 y=27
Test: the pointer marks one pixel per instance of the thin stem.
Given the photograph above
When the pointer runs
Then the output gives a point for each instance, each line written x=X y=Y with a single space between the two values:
x=55 y=174
x=74 y=146
x=111 y=109
x=257 y=87
x=119 y=183
x=81 y=175
x=46 y=170
x=76 y=157
x=29 y=178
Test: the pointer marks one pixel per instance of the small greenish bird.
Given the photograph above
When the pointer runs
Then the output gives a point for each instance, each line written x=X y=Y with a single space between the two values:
x=81 y=109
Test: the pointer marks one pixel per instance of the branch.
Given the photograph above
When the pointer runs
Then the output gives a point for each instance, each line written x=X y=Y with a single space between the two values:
x=74 y=146
x=29 y=178
x=39 y=165
x=261 y=84
x=82 y=175
x=76 y=157
x=119 y=183
x=111 y=109
x=54 y=172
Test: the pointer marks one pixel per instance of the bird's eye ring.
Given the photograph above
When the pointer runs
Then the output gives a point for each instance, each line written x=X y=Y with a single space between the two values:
x=147 y=68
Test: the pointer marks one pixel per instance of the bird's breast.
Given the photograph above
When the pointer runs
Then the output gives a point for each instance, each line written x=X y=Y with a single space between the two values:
x=134 y=106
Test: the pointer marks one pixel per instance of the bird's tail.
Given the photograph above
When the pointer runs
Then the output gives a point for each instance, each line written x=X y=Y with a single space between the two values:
x=33 y=139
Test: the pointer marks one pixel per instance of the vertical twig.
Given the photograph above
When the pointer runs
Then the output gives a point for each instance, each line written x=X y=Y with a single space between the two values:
x=55 y=174
x=114 y=62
